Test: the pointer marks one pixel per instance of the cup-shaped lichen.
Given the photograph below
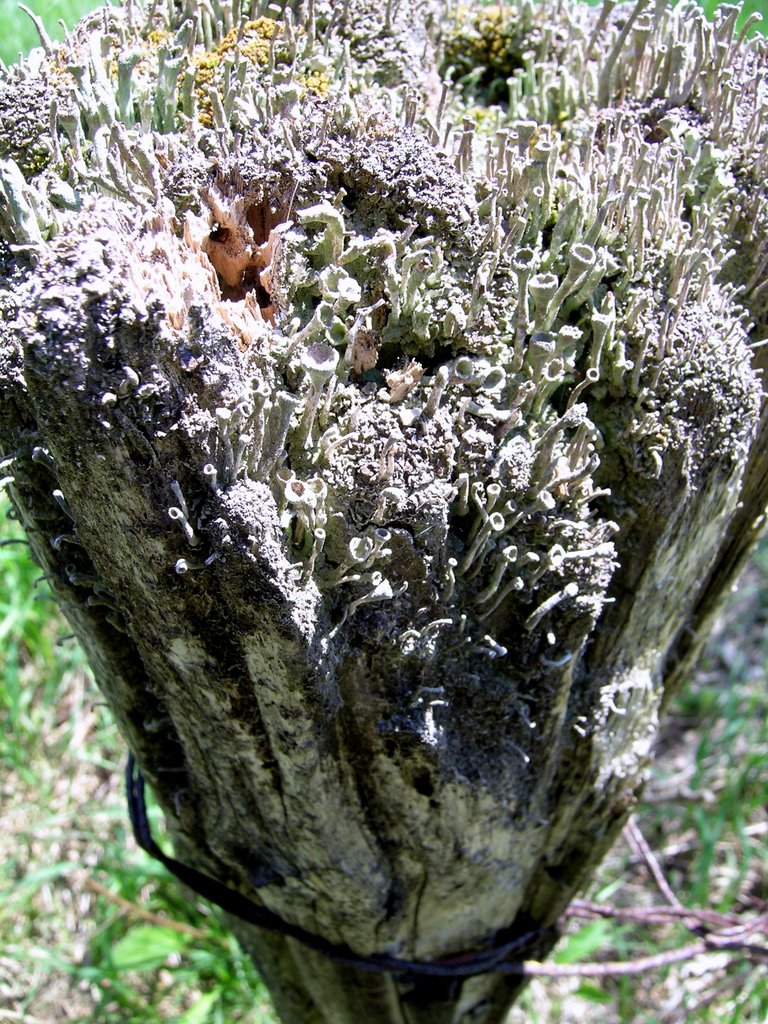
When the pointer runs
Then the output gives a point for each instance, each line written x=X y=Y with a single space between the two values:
x=399 y=434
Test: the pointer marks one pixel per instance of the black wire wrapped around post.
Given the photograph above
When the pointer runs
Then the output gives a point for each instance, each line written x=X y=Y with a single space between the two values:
x=463 y=965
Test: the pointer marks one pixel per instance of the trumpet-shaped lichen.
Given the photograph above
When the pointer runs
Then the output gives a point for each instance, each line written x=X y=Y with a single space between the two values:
x=255 y=42
x=460 y=377
x=482 y=299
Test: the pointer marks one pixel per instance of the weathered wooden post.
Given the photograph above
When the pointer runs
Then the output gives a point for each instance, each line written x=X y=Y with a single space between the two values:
x=379 y=389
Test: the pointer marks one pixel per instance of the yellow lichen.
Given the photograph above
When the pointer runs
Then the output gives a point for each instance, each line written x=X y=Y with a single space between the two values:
x=316 y=82
x=156 y=37
x=253 y=42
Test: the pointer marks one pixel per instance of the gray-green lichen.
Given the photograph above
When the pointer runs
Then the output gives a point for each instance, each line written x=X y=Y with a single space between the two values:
x=457 y=378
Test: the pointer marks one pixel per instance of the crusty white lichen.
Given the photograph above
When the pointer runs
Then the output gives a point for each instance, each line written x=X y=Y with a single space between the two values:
x=453 y=383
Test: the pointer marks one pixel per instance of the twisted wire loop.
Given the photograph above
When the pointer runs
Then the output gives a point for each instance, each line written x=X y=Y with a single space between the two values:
x=494 y=959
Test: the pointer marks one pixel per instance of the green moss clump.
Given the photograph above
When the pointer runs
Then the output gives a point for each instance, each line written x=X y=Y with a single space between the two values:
x=485 y=47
